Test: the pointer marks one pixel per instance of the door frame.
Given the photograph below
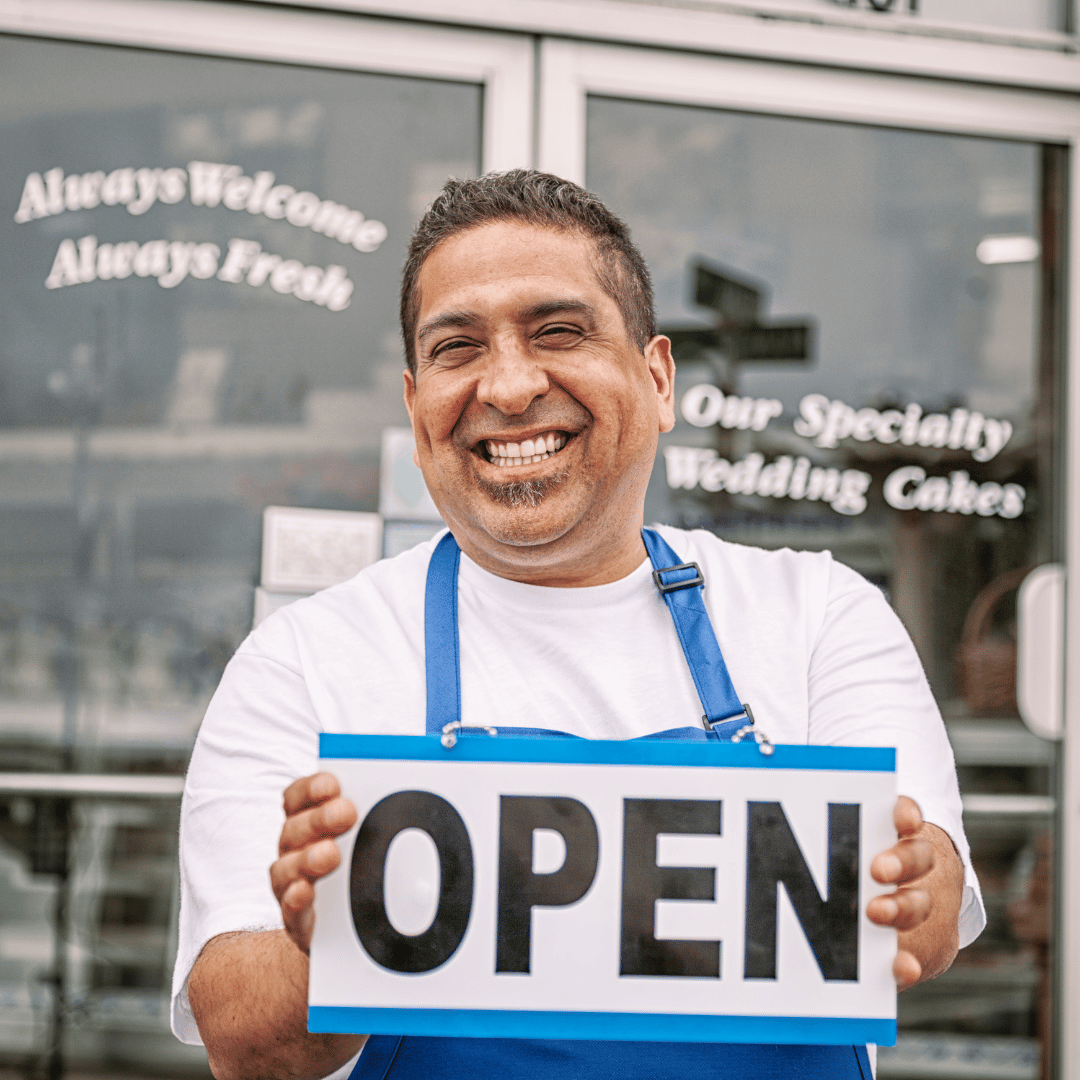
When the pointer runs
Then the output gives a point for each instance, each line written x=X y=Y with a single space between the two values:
x=501 y=63
x=570 y=71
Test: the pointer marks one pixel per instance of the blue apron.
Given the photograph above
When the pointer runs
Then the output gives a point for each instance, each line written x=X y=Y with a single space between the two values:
x=413 y=1057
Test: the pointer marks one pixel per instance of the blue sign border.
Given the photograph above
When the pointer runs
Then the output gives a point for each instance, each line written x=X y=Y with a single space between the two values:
x=660 y=1027
x=484 y=747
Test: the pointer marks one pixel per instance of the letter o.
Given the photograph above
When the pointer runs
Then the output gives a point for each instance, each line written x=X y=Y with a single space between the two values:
x=301 y=208
x=411 y=953
x=897 y=481
x=702 y=405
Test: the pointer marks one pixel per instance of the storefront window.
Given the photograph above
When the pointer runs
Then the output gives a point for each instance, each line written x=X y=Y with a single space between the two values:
x=866 y=326
x=199 y=262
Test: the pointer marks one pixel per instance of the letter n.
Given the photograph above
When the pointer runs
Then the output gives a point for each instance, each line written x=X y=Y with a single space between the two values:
x=773 y=858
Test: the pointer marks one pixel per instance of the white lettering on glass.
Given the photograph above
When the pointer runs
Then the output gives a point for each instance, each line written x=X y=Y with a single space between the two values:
x=689 y=467
x=78 y=262
x=704 y=405
x=208 y=184
x=909 y=488
x=829 y=422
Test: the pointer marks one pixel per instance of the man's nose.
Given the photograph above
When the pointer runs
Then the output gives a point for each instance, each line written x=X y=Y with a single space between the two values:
x=512 y=379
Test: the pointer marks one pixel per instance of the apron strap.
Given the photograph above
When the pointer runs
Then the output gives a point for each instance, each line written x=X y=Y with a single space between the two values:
x=442 y=651
x=681 y=585
x=683 y=589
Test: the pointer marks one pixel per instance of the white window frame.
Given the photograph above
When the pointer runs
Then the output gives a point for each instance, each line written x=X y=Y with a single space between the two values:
x=571 y=71
x=501 y=63
x=826 y=34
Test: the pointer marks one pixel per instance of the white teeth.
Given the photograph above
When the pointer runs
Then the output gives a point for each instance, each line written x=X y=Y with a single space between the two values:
x=527 y=452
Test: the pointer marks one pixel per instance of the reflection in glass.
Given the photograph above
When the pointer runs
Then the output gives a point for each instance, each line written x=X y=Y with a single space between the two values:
x=866 y=325
x=200 y=261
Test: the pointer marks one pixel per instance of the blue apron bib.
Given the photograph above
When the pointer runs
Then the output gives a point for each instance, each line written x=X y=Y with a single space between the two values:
x=414 y=1057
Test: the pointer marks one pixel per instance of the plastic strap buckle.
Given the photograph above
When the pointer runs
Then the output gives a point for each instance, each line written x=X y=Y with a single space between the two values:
x=746 y=711
x=685 y=583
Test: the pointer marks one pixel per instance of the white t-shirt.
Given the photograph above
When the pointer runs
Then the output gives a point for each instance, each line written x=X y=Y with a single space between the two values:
x=812 y=646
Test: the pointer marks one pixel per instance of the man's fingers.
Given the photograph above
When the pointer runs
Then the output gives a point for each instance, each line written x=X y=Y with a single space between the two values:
x=309 y=864
x=905 y=861
x=310 y=791
x=904 y=910
x=307 y=826
x=298 y=914
x=907 y=817
x=906 y=970
x=297 y=898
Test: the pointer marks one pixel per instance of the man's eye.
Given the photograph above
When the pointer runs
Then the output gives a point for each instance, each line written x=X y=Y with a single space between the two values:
x=452 y=350
x=552 y=335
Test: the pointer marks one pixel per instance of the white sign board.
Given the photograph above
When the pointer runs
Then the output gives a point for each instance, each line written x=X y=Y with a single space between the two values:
x=564 y=888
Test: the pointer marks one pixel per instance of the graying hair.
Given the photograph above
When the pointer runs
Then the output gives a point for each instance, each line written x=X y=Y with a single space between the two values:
x=541 y=200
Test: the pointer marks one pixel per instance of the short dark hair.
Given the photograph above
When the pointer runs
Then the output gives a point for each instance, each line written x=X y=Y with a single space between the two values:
x=545 y=201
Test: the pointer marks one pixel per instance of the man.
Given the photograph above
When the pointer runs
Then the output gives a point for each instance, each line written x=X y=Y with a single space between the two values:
x=537 y=386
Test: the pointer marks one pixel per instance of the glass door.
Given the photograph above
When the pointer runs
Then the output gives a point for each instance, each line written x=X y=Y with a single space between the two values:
x=199 y=260
x=868 y=324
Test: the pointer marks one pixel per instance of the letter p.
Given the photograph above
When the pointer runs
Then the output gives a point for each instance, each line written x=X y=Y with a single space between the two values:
x=520 y=889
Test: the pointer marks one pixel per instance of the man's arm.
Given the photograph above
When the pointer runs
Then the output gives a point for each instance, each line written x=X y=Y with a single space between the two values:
x=248 y=991
x=925 y=908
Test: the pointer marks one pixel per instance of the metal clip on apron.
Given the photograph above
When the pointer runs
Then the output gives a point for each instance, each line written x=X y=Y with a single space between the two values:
x=414 y=1057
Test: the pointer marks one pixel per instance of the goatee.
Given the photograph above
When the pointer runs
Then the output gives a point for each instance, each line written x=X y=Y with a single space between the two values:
x=516 y=494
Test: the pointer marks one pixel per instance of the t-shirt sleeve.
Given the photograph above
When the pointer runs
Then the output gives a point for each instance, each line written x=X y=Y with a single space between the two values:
x=259 y=734
x=867 y=688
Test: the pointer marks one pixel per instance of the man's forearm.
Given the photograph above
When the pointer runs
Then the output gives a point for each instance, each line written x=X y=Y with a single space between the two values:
x=248 y=994
x=934 y=944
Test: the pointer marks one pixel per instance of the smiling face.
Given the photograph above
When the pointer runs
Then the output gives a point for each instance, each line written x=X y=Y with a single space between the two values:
x=536 y=418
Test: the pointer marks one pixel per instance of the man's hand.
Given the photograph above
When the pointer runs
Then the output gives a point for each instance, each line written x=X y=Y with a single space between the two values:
x=248 y=990
x=929 y=880
x=315 y=813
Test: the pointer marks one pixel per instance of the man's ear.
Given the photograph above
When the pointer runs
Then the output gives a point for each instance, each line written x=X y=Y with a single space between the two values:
x=410 y=391
x=410 y=399
x=662 y=371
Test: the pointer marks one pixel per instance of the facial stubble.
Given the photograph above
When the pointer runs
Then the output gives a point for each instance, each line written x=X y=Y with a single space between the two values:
x=523 y=494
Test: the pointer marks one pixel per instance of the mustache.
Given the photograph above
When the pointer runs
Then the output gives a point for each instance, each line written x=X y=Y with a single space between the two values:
x=540 y=415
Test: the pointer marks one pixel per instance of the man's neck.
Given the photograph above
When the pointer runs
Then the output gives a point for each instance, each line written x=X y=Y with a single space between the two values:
x=559 y=569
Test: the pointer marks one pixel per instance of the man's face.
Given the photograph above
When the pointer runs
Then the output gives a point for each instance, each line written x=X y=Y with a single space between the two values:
x=536 y=418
